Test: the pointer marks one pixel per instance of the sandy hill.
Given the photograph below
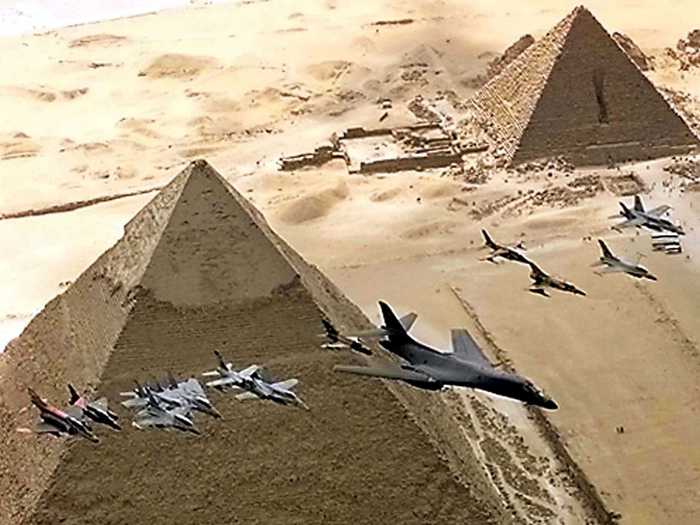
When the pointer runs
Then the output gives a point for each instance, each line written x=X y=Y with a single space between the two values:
x=576 y=93
x=198 y=269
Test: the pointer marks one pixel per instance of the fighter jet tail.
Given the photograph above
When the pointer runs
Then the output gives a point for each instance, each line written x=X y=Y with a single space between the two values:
x=606 y=251
x=638 y=205
x=488 y=241
x=74 y=396
x=625 y=210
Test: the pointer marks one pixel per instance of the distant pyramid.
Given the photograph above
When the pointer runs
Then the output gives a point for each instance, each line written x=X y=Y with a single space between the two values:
x=576 y=93
x=199 y=269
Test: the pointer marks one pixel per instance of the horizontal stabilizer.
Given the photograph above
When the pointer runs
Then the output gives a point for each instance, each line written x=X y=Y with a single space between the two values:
x=224 y=381
x=45 y=428
x=246 y=396
x=288 y=384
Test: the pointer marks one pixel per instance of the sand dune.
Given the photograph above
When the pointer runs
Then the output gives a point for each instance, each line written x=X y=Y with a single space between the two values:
x=173 y=65
x=314 y=206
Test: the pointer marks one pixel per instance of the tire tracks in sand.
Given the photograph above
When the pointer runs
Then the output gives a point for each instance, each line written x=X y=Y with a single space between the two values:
x=537 y=489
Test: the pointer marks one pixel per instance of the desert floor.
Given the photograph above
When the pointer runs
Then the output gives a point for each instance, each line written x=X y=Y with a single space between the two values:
x=121 y=107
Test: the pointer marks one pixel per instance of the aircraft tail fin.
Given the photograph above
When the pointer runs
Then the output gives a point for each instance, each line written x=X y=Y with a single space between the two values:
x=140 y=391
x=488 y=241
x=392 y=324
x=330 y=331
x=220 y=358
x=74 y=396
x=606 y=251
x=625 y=211
x=638 y=204
x=35 y=398
x=172 y=382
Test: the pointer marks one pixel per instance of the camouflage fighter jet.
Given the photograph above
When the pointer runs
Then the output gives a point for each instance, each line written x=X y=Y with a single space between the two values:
x=541 y=281
x=652 y=219
x=431 y=369
x=57 y=422
x=614 y=264
x=95 y=410
x=504 y=252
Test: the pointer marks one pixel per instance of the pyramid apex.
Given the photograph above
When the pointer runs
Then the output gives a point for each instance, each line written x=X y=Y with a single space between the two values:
x=200 y=167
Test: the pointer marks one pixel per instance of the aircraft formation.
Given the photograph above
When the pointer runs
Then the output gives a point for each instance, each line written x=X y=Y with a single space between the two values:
x=171 y=404
x=635 y=217
x=164 y=405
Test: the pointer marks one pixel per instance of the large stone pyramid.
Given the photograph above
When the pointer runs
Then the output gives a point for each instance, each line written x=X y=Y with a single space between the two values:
x=576 y=93
x=198 y=269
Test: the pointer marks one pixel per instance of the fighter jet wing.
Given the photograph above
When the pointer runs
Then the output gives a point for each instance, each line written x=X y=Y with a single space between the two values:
x=386 y=372
x=191 y=386
x=135 y=402
x=247 y=372
x=658 y=211
x=638 y=221
x=287 y=384
x=45 y=428
x=74 y=411
x=101 y=403
x=611 y=269
x=464 y=347
x=151 y=420
x=224 y=381
x=246 y=396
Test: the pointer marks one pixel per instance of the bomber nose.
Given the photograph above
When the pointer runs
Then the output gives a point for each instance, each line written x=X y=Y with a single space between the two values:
x=550 y=404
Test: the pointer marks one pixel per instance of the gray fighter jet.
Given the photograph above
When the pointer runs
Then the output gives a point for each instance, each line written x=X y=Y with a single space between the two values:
x=354 y=341
x=504 y=252
x=278 y=392
x=185 y=394
x=96 y=410
x=542 y=280
x=57 y=422
x=614 y=264
x=227 y=376
x=652 y=219
x=188 y=394
x=157 y=414
x=427 y=368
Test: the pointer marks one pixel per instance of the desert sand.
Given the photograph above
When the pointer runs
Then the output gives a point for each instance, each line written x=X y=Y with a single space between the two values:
x=113 y=108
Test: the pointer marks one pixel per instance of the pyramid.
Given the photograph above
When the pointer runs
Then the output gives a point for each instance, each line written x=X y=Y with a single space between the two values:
x=576 y=93
x=198 y=269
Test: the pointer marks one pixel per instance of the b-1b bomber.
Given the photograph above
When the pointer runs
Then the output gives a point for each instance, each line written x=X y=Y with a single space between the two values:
x=431 y=369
